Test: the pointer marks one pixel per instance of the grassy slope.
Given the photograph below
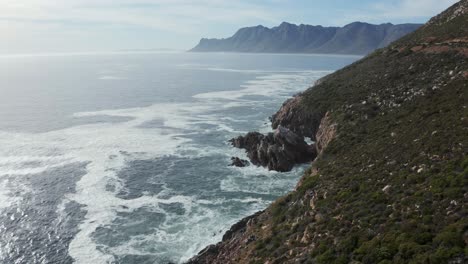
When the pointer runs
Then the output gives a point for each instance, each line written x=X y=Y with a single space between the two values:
x=402 y=123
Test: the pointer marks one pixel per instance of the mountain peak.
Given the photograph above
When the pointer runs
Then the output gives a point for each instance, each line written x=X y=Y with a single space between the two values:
x=286 y=24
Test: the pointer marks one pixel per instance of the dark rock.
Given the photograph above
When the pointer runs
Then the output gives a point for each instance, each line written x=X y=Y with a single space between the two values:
x=237 y=162
x=278 y=151
x=250 y=239
x=248 y=141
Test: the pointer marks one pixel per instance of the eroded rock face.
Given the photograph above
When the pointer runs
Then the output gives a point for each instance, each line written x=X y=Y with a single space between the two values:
x=294 y=117
x=278 y=151
x=325 y=133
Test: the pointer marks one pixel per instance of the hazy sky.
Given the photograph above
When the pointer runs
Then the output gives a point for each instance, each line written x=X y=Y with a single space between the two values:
x=30 y=26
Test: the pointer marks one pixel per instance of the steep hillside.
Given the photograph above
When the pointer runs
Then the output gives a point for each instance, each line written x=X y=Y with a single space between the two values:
x=355 y=38
x=390 y=182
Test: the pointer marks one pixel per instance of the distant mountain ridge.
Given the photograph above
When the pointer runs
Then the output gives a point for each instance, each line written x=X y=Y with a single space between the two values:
x=354 y=38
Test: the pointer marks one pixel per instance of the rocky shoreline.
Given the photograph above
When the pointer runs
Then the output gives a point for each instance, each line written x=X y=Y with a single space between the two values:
x=286 y=146
x=279 y=151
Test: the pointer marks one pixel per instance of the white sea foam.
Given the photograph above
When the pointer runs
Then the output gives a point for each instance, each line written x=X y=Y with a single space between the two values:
x=256 y=71
x=257 y=180
x=271 y=85
x=106 y=149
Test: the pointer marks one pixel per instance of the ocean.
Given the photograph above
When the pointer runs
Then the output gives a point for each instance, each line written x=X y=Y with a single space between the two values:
x=123 y=157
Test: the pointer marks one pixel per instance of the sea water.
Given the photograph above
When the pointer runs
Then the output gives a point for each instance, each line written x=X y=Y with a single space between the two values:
x=124 y=157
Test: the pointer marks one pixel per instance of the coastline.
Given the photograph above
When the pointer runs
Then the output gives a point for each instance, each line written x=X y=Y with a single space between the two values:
x=324 y=134
x=389 y=182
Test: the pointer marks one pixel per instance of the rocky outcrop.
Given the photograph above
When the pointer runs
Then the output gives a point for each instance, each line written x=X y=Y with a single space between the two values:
x=326 y=133
x=238 y=162
x=295 y=117
x=279 y=151
x=286 y=147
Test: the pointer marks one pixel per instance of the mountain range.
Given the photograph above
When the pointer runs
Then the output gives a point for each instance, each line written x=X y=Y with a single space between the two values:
x=354 y=38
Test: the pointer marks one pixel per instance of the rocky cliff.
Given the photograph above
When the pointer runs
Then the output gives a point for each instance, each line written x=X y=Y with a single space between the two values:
x=390 y=182
x=354 y=38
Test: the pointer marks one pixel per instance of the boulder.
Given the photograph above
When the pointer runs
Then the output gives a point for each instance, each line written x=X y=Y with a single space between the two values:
x=237 y=162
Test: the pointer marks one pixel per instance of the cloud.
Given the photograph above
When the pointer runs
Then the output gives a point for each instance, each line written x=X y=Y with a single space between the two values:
x=68 y=25
x=176 y=15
